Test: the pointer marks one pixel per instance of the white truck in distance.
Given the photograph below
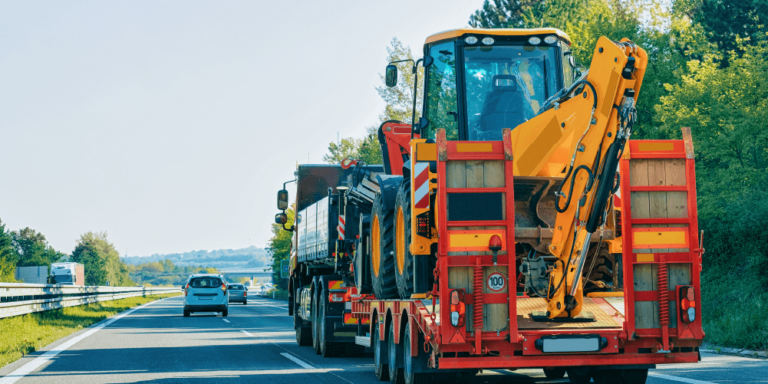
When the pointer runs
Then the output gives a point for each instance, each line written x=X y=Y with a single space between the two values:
x=68 y=273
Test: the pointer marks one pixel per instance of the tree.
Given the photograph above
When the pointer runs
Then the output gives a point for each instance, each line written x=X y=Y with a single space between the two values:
x=32 y=249
x=348 y=147
x=726 y=21
x=399 y=98
x=7 y=255
x=101 y=260
x=280 y=248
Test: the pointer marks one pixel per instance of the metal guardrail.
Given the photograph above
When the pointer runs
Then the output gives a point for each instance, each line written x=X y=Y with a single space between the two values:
x=20 y=299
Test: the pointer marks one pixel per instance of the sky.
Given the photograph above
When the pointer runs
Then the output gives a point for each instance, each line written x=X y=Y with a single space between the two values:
x=171 y=124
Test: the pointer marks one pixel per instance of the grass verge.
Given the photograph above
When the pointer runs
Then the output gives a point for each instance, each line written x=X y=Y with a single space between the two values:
x=735 y=309
x=278 y=294
x=22 y=335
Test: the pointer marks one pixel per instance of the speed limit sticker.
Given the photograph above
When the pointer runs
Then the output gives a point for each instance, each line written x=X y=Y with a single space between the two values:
x=496 y=282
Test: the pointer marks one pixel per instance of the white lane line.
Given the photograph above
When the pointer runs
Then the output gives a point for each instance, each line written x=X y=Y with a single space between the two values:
x=297 y=361
x=678 y=379
x=30 y=367
x=246 y=333
x=226 y=320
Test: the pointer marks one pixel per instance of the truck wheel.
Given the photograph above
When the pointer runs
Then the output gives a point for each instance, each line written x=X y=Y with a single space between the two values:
x=554 y=373
x=579 y=375
x=380 y=367
x=315 y=329
x=403 y=257
x=327 y=348
x=411 y=364
x=395 y=357
x=382 y=251
x=634 y=376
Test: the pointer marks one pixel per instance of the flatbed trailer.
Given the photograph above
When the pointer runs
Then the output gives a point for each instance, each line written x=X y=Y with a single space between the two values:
x=651 y=322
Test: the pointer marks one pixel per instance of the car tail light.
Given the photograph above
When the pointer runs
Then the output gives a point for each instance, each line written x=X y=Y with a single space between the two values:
x=223 y=287
x=457 y=308
x=335 y=298
x=688 y=304
x=243 y=294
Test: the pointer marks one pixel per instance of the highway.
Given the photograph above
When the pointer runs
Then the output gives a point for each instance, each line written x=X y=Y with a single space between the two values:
x=256 y=343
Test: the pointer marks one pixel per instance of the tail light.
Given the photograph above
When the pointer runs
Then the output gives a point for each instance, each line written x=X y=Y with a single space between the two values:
x=335 y=298
x=688 y=304
x=224 y=288
x=186 y=290
x=244 y=294
x=457 y=308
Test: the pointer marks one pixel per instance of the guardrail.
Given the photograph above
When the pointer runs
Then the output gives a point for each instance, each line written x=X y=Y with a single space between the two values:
x=20 y=299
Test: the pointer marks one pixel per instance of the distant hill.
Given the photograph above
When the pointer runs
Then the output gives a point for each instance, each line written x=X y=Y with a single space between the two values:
x=221 y=258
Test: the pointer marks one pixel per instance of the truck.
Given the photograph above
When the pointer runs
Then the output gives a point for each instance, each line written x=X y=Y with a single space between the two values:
x=68 y=273
x=513 y=225
x=32 y=275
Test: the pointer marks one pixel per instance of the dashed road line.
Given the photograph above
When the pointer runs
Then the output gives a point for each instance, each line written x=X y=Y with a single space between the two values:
x=297 y=361
x=246 y=333
x=226 y=320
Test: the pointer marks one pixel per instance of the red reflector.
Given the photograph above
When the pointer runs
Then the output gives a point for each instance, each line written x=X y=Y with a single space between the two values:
x=455 y=298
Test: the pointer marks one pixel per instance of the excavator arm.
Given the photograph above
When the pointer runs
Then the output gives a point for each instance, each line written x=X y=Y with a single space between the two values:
x=593 y=119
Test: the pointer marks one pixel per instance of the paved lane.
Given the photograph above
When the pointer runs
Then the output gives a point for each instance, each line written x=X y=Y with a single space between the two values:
x=256 y=343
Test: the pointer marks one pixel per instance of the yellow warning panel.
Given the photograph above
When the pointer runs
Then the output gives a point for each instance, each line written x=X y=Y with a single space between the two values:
x=474 y=147
x=645 y=258
x=655 y=147
x=467 y=241
x=660 y=238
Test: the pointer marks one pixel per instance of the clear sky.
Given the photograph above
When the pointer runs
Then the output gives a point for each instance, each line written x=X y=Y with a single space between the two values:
x=171 y=124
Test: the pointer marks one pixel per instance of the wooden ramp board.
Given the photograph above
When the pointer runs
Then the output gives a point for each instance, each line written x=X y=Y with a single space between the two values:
x=527 y=305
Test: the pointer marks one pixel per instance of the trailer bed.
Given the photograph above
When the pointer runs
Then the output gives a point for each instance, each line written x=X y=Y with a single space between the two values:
x=606 y=315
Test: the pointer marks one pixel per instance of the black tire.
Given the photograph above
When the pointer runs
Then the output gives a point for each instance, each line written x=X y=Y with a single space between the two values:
x=186 y=313
x=380 y=366
x=395 y=357
x=315 y=328
x=245 y=302
x=579 y=375
x=327 y=348
x=554 y=373
x=607 y=376
x=225 y=313
x=303 y=332
x=403 y=257
x=602 y=272
x=410 y=362
x=354 y=350
x=634 y=376
x=384 y=284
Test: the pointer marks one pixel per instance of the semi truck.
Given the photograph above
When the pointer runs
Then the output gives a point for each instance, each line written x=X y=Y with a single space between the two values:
x=68 y=273
x=513 y=225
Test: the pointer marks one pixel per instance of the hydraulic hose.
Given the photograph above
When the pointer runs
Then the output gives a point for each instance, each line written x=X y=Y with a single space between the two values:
x=570 y=189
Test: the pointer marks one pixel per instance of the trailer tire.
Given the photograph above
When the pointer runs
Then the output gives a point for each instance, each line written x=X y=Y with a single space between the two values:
x=579 y=375
x=403 y=256
x=303 y=332
x=327 y=348
x=410 y=362
x=382 y=251
x=634 y=376
x=395 y=357
x=380 y=367
x=554 y=373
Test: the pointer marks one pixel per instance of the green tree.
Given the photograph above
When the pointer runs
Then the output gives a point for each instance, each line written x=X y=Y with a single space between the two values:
x=7 y=255
x=399 y=98
x=101 y=260
x=32 y=249
x=727 y=21
x=279 y=246
x=348 y=147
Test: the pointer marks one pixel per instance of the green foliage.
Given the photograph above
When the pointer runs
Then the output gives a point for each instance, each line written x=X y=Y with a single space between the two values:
x=367 y=149
x=727 y=21
x=280 y=248
x=26 y=334
x=32 y=248
x=7 y=255
x=101 y=260
x=164 y=273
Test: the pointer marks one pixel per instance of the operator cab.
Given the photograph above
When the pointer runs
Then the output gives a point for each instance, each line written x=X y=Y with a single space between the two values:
x=481 y=81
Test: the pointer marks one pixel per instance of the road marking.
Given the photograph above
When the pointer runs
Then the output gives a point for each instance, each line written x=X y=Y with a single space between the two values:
x=297 y=361
x=226 y=320
x=30 y=367
x=678 y=379
x=246 y=333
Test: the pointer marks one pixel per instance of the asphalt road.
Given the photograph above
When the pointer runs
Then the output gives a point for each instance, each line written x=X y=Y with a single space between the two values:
x=256 y=343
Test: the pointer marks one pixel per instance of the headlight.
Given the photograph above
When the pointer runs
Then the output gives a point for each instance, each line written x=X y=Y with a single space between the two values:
x=534 y=40
x=470 y=40
x=550 y=39
x=488 y=40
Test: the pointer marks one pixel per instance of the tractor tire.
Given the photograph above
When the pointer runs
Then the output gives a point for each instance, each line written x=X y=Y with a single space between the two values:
x=382 y=251
x=327 y=348
x=602 y=273
x=403 y=256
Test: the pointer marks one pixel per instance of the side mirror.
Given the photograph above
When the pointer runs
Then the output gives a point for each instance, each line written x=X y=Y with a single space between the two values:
x=421 y=125
x=281 y=218
x=282 y=199
x=390 y=77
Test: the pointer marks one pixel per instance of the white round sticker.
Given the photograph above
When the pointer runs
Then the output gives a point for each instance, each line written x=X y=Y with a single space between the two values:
x=496 y=282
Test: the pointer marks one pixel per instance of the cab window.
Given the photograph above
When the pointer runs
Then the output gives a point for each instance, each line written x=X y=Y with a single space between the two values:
x=441 y=106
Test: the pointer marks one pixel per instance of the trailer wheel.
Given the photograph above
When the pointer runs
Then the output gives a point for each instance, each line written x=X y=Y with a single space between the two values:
x=579 y=375
x=554 y=373
x=404 y=259
x=382 y=251
x=303 y=332
x=634 y=376
x=395 y=357
x=327 y=348
x=380 y=367
x=411 y=363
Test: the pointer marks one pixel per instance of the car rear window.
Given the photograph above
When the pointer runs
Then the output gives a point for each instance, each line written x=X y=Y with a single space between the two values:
x=205 y=282
x=236 y=287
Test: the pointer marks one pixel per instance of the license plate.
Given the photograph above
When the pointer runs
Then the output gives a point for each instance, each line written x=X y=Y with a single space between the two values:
x=571 y=344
